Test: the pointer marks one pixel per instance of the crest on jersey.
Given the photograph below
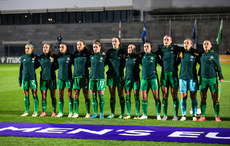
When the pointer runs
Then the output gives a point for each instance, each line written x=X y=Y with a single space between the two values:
x=101 y=59
x=151 y=58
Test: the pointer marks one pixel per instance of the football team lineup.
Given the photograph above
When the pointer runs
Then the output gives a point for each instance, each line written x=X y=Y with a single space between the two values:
x=168 y=56
x=24 y=125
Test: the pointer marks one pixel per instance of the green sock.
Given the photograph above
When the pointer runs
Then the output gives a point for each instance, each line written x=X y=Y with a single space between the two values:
x=112 y=104
x=36 y=104
x=94 y=103
x=61 y=105
x=158 y=106
x=87 y=105
x=43 y=104
x=71 y=105
x=203 y=108
x=176 y=106
x=128 y=104
x=76 y=105
x=122 y=103
x=27 y=103
x=216 y=109
x=165 y=106
x=137 y=104
x=54 y=104
x=102 y=103
x=145 y=107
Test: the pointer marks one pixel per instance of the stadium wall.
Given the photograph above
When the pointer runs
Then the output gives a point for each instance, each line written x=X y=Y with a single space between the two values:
x=36 y=34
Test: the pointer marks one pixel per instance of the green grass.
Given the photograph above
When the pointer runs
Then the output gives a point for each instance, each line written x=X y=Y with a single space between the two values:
x=12 y=106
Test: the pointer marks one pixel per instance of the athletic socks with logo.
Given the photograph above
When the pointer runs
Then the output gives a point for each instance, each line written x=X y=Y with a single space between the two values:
x=61 y=104
x=44 y=103
x=35 y=104
x=137 y=104
x=176 y=106
x=94 y=103
x=158 y=106
x=145 y=107
x=216 y=107
x=27 y=103
x=183 y=106
x=54 y=104
x=112 y=104
x=128 y=104
x=122 y=103
x=203 y=108
x=102 y=103
x=165 y=106
x=194 y=106
x=87 y=105
x=76 y=105
x=71 y=105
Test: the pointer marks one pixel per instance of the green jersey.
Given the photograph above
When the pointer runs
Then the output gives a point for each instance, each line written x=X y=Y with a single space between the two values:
x=97 y=66
x=132 y=68
x=48 y=67
x=81 y=63
x=188 y=65
x=210 y=65
x=27 y=68
x=64 y=65
x=116 y=62
x=149 y=63
x=169 y=56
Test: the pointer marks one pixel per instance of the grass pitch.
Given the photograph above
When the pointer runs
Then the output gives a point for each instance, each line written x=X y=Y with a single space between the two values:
x=12 y=106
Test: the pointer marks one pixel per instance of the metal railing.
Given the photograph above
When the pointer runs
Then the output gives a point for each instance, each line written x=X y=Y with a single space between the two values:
x=183 y=17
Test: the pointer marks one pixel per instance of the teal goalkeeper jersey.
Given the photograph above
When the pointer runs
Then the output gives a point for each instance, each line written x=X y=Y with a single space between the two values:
x=27 y=68
x=132 y=63
x=149 y=63
x=97 y=66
